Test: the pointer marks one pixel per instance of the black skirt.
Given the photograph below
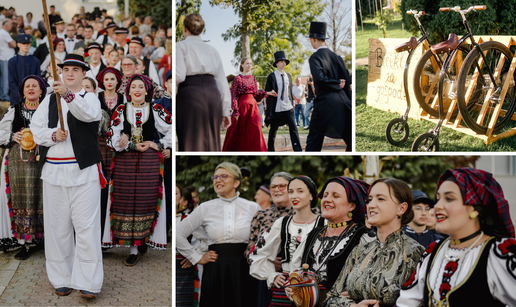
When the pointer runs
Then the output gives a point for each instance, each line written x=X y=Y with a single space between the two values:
x=227 y=281
x=199 y=114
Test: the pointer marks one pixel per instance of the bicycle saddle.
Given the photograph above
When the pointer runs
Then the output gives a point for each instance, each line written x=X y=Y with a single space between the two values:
x=410 y=45
x=446 y=46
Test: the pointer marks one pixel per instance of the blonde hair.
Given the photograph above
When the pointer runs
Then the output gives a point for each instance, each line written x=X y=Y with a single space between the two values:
x=231 y=168
x=168 y=47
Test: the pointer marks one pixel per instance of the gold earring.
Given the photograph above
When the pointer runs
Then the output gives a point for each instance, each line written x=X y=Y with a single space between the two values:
x=473 y=215
x=145 y=93
x=350 y=214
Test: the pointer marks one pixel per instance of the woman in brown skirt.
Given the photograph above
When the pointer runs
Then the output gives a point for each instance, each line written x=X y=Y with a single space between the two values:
x=22 y=175
x=203 y=99
x=137 y=171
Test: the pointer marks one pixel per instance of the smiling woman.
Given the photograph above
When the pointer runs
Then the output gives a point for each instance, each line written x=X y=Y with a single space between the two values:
x=283 y=238
x=225 y=221
x=375 y=271
x=327 y=247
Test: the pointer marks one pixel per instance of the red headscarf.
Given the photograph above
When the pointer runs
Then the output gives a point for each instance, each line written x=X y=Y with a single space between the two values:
x=116 y=72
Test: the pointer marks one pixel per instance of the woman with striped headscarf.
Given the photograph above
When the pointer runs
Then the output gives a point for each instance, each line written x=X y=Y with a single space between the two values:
x=137 y=171
x=22 y=173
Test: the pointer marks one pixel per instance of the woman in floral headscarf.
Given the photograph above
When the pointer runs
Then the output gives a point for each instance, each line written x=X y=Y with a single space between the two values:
x=137 y=170
x=476 y=265
x=22 y=173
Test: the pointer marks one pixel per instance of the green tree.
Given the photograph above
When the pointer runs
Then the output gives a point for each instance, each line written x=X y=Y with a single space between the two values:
x=290 y=23
x=183 y=8
x=420 y=172
x=382 y=19
x=254 y=17
x=159 y=10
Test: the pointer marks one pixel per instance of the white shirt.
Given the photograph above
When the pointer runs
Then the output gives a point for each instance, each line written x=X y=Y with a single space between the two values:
x=70 y=44
x=86 y=109
x=100 y=40
x=33 y=23
x=501 y=283
x=299 y=93
x=283 y=104
x=5 y=51
x=159 y=123
x=94 y=71
x=262 y=262
x=61 y=35
x=321 y=47
x=223 y=220
x=195 y=57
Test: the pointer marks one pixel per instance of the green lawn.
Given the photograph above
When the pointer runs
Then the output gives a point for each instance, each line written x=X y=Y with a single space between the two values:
x=394 y=30
x=371 y=124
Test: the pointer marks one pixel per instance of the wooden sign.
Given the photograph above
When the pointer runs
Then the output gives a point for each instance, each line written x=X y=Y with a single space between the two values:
x=385 y=77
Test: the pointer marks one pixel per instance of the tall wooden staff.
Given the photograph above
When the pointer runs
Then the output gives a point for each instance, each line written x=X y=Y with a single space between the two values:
x=53 y=61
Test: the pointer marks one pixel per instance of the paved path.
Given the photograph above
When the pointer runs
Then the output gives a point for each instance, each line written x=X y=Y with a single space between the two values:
x=148 y=283
x=361 y=61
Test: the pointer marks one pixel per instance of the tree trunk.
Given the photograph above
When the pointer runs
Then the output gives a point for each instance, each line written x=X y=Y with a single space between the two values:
x=246 y=47
x=334 y=26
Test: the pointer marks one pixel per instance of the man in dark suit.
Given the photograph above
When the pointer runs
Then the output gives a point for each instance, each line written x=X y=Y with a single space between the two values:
x=331 y=114
x=280 y=108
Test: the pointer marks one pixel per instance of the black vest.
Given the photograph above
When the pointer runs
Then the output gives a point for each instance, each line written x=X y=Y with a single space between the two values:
x=336 y=263
x=84 y=137
x=148 y=128
x=474 y=290
x=103 y=105
x=285 y=240
x=18 y=121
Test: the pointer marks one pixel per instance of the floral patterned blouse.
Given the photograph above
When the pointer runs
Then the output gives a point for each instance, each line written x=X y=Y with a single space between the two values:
x=376 y=271
x=244 y=84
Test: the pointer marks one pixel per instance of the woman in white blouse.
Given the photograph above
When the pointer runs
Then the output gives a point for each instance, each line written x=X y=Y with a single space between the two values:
x=284 y=236
x=226 y=220
x=203 y=99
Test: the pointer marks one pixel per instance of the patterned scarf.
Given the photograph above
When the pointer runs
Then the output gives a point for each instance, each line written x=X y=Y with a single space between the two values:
x=478 y=187
x=148 y=86
x=42 y=85
x=116 y=72
x=357 y=191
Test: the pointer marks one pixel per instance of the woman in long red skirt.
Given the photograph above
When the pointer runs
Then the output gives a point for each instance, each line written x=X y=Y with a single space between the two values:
x=245 y=132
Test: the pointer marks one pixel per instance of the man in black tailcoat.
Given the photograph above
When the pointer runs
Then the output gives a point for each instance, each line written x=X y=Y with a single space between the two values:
x=331 y=114
x=280 y=108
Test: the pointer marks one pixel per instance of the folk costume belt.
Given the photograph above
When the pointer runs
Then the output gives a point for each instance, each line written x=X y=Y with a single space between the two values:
x=61 y=160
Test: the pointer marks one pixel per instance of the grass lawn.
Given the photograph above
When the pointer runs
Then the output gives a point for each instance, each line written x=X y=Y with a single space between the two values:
x=371 y=124
x=394 y=30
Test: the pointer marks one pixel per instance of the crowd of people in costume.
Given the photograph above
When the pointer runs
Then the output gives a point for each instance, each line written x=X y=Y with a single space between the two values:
x=378 y=244
x=206 y=104
x=97 y=177
x=104 y=41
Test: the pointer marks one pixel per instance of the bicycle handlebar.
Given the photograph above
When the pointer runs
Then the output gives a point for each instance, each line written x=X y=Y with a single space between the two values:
x=458 y=10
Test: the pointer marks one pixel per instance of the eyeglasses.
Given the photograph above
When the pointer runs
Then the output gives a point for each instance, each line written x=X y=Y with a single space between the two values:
x=281 y=186
x=222 y=177
x=419 y=208
x=127 y=65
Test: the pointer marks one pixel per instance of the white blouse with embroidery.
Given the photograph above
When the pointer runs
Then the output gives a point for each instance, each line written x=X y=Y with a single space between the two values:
x=223 y=220
x=161 y=123
x=269 y=245
x=501 y=275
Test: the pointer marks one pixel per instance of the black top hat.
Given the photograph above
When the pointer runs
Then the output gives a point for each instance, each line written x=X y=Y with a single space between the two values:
x=280 y=56
x=74 y=60
x=318 y=30
x=137 y=40
x=419 y=197
x=94 y=45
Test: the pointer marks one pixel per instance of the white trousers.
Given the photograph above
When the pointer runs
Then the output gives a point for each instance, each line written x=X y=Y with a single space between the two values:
x=73 y=262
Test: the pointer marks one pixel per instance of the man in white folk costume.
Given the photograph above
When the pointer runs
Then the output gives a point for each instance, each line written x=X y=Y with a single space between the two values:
x=71 y=182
